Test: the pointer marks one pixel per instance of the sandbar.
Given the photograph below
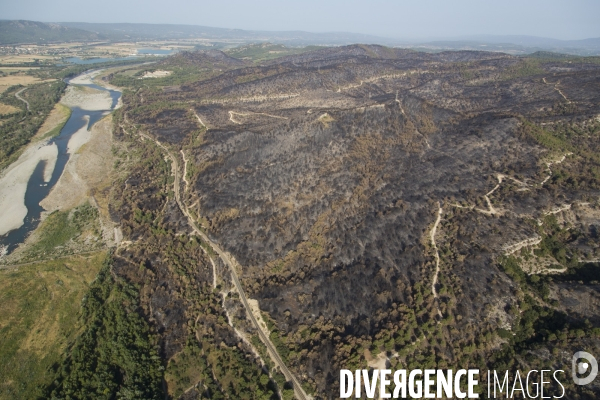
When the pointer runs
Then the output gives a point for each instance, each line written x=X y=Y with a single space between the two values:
x=87 y=98
x=13 y=183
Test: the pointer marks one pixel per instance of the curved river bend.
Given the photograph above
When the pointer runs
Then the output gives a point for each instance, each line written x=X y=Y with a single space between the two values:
x=37 y=187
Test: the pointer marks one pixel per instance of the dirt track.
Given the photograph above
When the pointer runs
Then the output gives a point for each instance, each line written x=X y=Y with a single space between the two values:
x=17 y=95
x=437 y=255
x=232 y=264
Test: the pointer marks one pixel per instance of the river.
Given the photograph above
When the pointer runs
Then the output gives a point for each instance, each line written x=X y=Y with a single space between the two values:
x=37 y=187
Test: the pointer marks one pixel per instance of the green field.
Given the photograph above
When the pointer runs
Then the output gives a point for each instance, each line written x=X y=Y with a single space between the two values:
x=39 y=309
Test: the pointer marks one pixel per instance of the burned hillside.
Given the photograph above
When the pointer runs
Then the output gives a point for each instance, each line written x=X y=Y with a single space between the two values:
x=378 y=200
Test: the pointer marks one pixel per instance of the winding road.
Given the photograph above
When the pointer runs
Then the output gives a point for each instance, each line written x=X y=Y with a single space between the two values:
x=231 y=264
x=550 y=163
x=18 y=96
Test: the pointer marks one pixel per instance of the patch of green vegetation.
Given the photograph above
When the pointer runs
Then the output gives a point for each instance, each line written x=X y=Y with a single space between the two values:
x=61 y=229
x=116 y=356
x=185 y=370
x=554 y=241
x=39 y=305
x=286 y=387
x=218 y=370
x=526 y=67
x=132 y=72
x=538 y=284
x=17 y=129
x=226 y=373
x=553 y=244
x=262 y=350
x=282 y=349
x=56 y=131
x=181 y=73
x=540 y=330
x=69 y=71
x=267 y=51
x=583 y=139
x=534 y=323
x=544 y=137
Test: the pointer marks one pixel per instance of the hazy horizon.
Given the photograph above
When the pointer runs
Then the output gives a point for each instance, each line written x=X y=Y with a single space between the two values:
x=410 y=20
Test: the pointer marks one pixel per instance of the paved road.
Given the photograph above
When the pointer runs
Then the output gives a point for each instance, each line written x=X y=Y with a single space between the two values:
x=298 y=390
x=17 y=95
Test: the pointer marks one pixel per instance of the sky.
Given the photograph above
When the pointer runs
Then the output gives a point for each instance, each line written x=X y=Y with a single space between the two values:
x=400 y=19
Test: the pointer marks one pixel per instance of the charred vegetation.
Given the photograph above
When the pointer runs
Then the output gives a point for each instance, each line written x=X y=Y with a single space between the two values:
x=322 y=173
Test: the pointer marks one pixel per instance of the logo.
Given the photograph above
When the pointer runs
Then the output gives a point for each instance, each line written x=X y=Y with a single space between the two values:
x=582 y=362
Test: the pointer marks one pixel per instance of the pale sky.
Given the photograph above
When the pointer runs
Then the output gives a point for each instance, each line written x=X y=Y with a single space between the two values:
x=410 y=19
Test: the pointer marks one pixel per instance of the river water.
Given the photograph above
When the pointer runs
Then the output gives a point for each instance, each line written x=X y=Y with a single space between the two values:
x=37 y=188
x=140 y=53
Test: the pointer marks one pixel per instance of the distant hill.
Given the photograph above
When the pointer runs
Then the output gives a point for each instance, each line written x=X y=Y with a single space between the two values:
x=15 y=32
x=168 y=31
x=513 y=44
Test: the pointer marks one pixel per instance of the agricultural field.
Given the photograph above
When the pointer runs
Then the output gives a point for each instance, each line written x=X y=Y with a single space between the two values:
x=19 y=79
x=26 y=58
x=11 y=70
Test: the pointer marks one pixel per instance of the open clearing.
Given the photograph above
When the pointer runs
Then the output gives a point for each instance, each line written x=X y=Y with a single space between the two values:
x=12 y=80
x=156 y=74
x=18 y=80
x=7 y=109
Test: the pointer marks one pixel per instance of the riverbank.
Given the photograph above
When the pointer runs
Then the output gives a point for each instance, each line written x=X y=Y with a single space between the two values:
x=70 y=170
x=14 y=180
x=88 y=168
